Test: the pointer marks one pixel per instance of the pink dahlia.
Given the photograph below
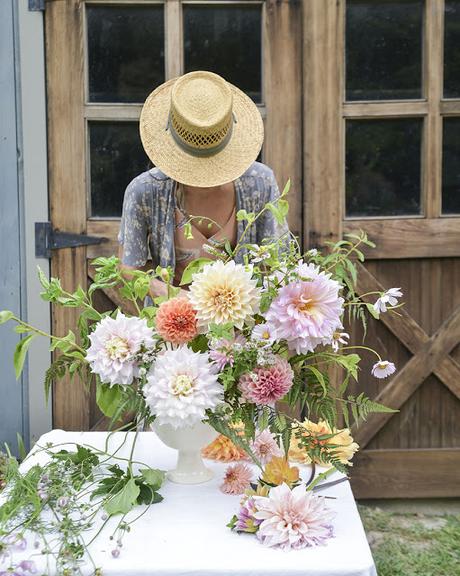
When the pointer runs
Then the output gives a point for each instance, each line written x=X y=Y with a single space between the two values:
x=176 y=321
x=114 y=345
x=265 y=446
x=221 y=351
x=292 y=518
x=306 y=312
x=267 y=384
x=237 y=479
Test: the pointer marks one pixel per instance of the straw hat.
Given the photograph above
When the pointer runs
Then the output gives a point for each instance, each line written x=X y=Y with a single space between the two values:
x=200 y=130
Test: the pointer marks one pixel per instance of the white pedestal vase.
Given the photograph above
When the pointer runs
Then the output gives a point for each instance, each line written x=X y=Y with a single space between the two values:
x=188 y=441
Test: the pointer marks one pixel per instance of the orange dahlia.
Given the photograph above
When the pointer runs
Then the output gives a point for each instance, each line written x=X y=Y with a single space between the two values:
x=224 y=450
x=176 y=320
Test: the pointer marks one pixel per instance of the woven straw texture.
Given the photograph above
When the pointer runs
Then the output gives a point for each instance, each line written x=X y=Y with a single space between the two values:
x=186 y=119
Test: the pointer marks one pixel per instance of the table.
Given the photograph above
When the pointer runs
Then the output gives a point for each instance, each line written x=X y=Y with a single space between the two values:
x=186 y=534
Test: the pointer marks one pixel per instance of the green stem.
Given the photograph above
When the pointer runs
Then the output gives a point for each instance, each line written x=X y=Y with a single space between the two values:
x=363 y=348
x=320 y=478
x=45 y=334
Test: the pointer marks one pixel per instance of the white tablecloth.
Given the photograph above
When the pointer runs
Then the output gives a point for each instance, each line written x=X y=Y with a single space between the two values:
x=186 y=534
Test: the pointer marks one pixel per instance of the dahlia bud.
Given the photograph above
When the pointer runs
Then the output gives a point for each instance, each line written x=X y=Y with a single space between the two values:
x=164 y=275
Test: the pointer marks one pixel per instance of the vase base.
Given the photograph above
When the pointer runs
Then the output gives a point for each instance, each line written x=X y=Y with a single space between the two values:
x=188 y=477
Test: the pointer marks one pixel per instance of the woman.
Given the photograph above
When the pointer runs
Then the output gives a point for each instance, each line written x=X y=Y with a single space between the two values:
x=203 y=135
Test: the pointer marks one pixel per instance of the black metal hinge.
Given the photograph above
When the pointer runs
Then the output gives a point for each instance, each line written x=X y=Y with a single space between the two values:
x=36 y=5
x=47 y=239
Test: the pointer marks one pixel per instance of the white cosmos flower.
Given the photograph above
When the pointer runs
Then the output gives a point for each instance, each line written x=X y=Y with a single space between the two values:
x=181 y=386
x=258 y=253
x=114 y=344
x=224 y=293
x=383 y=368
x=389 y=297
x=338 y=338
x=263 y=334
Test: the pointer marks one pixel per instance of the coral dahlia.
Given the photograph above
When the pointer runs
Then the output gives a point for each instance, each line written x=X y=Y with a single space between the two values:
x=292 y=518
x=306 y=312
x=114 y=344
x=181 y=386
x=176 y=320
x=224 y=293
x=267 y=384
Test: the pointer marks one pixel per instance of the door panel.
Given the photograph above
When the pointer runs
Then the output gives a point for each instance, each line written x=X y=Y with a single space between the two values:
x=103 y=58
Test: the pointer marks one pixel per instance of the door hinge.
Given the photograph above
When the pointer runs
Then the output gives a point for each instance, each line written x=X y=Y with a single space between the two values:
x=36 y=5
x=47 y=239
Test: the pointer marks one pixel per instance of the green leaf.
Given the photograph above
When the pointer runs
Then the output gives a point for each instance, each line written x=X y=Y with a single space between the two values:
x=350 y=363
x=108 y=398
x=283 y=206
x=21 y=447
x=124 y=500
x=154 y=478
x=20 y=354
x=192 y=268
x=242 y=215
x=372 y=311
x=319 y=377
x=5 y=315
x=148 y=496
x=286 y=188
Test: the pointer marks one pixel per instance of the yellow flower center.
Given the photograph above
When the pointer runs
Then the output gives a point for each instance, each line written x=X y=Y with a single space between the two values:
x=224 y=299
x=266 y=335
x=117 y=348
x=306 y=305
x=182 y=385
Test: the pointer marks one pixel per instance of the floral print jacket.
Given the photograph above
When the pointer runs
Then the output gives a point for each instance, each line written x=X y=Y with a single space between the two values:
x=148 y=219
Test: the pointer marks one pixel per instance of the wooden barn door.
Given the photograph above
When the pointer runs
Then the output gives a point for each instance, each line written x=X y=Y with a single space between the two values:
x=103 y=59
x=382 y=154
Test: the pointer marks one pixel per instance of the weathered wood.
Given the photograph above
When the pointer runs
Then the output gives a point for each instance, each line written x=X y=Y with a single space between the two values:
x=174 y=60
x=65 y=91
x=384 y=109
x=323 y=45
x=282 y=88
x=113 y=112
x=450 y=108
x=409 y=237
x=406 y=329
x=433 y=87
x=404 y=384
x=406 y=473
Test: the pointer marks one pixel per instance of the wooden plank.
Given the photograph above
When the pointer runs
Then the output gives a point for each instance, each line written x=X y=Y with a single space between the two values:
x=433 y=87
x=66 y=146
x=385 y=109
x=409 y=237
x=415 y=371
x=112 y=112
x=282 y=71
x=406 y=329
x=421 y=473
x=174 y=60
x=323 y=46
x=450 y=107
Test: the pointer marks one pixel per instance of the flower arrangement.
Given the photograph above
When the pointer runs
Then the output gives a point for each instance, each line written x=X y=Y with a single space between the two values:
x=250 y=343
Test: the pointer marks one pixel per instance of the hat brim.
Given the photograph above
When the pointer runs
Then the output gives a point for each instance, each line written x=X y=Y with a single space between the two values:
x=224 y=166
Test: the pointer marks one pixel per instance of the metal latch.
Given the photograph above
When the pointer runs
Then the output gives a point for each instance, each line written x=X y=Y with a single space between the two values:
x=47 y=239
x=36 y=5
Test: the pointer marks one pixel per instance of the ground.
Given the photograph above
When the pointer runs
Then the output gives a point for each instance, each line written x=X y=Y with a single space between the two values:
x=413 y=543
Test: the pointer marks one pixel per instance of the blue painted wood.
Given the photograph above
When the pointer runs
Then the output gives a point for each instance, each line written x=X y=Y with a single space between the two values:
x=36 y=5
x=13 y=417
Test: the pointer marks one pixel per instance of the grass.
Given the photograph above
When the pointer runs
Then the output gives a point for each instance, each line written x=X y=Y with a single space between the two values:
x=413 y=544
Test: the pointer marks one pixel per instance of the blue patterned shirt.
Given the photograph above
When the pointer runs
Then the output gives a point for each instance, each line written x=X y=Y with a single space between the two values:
x=148 y=219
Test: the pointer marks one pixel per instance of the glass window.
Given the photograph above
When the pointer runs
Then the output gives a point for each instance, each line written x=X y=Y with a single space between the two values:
x=226 y=40
x=384 y=49
x=125 y=52
x=383 y=167
x=451 y=166
x=116 y=157
x=452 y=49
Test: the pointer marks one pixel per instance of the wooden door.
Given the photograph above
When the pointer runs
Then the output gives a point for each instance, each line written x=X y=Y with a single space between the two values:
x=103 y=58
x=382 y=154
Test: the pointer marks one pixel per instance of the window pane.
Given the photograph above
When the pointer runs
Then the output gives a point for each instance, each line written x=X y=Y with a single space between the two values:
x=125 y=52
x=116 y=157
x=451 y=166
x=452 y=50
x=384 y=49
x=225 y=40
x=383 y=167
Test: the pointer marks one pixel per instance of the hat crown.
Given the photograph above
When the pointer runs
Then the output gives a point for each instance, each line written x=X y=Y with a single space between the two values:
x=201 y=110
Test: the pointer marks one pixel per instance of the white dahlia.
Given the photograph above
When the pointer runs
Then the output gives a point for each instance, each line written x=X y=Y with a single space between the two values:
x=223 y=293
x=181 y=385
x=114 y=344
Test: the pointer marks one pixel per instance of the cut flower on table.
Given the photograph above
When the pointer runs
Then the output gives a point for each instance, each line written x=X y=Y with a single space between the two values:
x=255 y=339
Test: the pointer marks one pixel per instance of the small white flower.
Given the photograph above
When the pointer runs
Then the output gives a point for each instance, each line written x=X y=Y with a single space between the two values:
x=389 y=297
x=263 y=334
x=259 y=253
x=339 y=338
x=383 y=368
x=313 y=252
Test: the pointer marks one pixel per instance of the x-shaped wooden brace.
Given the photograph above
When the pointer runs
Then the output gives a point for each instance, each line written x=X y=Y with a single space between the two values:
x=430 y=355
